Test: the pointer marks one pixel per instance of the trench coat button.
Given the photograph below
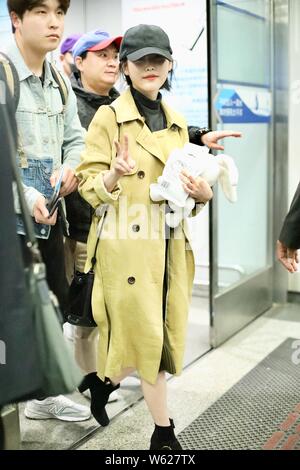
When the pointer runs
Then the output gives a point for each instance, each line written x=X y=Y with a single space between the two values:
x=141 y=174
x=136 y=228
x=131 y=280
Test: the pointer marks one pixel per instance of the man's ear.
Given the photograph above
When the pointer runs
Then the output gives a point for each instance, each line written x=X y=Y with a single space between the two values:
x=15 y=20
x=170 y=66
x=78 y=63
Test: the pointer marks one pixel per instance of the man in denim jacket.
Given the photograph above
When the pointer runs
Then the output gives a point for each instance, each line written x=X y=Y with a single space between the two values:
x=47 y=130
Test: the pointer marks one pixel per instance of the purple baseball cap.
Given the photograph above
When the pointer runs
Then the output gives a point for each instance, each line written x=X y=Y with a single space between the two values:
x=94 y=41
x=69 y=42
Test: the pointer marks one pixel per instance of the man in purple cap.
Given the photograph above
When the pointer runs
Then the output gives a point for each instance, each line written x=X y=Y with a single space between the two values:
x=66 y=57
x=97 y=69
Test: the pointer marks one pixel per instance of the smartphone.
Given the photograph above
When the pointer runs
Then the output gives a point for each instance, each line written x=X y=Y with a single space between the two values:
x=54 y=207
x=55 y=199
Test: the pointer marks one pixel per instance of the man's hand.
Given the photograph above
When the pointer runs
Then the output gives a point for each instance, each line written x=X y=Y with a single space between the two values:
x=211 y=138
x=69 y=182
x=41 y=213
x=288 y=257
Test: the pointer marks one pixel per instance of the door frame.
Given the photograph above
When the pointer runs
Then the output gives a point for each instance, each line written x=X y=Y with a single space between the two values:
x=232 y=309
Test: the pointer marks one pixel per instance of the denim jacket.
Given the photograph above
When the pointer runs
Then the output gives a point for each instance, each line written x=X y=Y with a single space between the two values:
x=46 y=131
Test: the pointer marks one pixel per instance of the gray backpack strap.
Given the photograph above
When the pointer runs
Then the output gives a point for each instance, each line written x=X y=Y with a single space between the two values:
x=9 y=72
x=63 y=89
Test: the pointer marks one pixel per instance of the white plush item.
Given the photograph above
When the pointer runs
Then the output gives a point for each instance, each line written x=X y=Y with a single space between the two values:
x=196 y=161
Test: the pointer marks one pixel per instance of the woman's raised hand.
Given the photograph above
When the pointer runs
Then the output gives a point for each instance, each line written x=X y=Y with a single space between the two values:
x=123 y=163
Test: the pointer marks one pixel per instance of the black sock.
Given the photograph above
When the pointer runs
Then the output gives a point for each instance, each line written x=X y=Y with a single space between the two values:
x=164 y=433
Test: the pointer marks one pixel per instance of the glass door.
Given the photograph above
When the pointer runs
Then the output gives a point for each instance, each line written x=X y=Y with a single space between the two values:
x=240 y=233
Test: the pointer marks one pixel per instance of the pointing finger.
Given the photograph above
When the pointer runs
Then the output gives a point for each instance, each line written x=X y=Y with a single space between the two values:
x=216 y=147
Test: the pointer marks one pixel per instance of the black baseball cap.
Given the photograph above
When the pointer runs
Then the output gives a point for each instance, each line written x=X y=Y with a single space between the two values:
x=145 y=39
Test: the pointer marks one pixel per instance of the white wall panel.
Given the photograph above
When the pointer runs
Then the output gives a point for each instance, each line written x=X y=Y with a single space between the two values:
x=104 y=14
x=75 y=19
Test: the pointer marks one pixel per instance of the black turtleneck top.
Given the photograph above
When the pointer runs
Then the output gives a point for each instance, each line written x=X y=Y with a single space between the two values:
x=151 y=110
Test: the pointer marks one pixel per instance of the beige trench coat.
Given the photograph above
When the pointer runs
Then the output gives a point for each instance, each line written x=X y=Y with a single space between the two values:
x=127 y=297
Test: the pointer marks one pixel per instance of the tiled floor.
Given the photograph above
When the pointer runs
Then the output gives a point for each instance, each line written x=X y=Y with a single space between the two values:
x=200 y=385
x=205 y=381
x=53 y=434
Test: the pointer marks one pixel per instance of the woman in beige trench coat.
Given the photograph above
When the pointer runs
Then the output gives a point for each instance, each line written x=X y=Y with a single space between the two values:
x=143 y=275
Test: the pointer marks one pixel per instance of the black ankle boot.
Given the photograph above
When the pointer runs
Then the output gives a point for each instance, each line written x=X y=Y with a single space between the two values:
x=163 y=438
x=100 y=392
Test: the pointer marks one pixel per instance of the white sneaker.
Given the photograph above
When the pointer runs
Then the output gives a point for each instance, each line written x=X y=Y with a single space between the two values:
x=69 y=331
x=58 y=407
x=113 y=397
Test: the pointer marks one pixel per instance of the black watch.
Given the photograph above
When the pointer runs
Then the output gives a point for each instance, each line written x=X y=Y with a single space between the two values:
x=200 y=132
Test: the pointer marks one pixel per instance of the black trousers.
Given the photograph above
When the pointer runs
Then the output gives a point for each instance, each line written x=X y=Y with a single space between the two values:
x=2 y=437
x=52 y=251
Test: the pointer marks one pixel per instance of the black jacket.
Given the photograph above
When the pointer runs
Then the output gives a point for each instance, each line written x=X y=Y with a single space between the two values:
x=290 y=232
x=79 y=212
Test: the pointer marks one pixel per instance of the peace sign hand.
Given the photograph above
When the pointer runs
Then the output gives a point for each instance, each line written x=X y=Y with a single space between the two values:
x=123 y=163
